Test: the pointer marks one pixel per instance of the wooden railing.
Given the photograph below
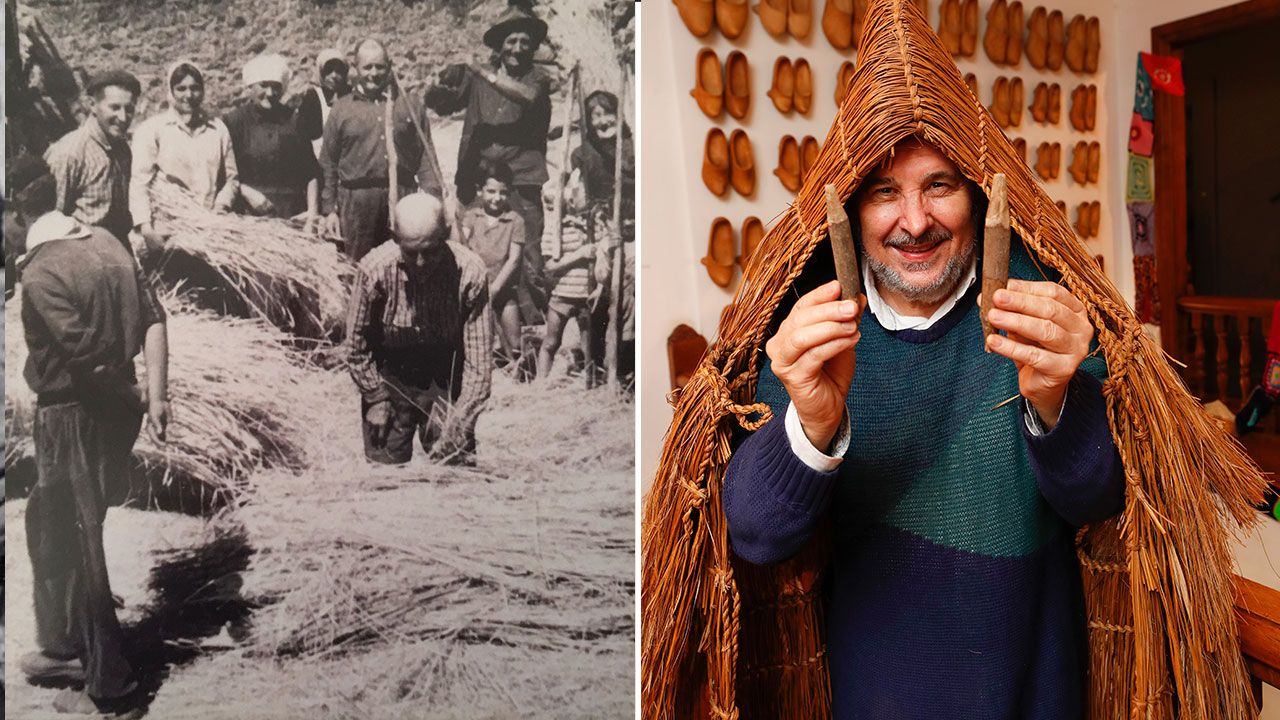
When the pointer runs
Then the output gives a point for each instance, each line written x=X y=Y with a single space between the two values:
x=1209 y=314
x=1258 y=616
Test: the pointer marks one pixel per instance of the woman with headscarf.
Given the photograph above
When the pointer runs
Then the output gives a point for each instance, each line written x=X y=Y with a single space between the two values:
x=184 y=145
x=314 y=107
x=508 y=113
x=596 y=158
x=277 y=170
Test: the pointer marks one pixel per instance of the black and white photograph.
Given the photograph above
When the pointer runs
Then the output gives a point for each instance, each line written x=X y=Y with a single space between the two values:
x=320 y=349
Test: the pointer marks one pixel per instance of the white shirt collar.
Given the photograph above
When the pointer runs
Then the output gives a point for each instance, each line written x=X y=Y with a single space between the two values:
x=890 y=319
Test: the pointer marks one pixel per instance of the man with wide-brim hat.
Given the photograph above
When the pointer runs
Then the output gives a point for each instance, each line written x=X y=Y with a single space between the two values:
x=508 y=113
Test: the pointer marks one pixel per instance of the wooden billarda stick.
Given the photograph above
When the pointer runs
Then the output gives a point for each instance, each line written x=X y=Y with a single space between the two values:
x=842 y=246
x=995 y=252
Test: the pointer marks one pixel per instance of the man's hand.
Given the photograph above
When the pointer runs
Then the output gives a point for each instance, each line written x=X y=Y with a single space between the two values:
x=813 y=355
x=332 y=226
x=379 y=417
x=155 y=241
x=1049 y=335
x=158 y=417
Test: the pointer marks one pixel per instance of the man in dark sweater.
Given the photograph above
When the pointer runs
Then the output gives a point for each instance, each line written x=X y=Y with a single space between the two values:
x=953 y=590
x=356 y=160
x=86 y=314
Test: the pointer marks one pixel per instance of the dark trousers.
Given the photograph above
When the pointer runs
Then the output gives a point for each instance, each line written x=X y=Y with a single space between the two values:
x=82 y=461
x=366 y=222
x=421 y=403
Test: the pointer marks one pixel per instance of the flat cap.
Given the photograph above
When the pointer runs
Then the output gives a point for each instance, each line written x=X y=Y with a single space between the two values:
x=118 y=78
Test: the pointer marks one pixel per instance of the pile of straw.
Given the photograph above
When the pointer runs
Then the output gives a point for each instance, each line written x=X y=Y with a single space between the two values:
x=252 y=266
x=1162 y=631
x=235 y=387
x=525 y=560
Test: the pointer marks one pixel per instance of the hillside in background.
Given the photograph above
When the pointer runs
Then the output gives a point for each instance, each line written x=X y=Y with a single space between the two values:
x=145 y=36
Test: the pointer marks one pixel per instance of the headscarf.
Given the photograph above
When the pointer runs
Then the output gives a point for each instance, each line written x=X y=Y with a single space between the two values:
x=329 y=55
x=268 y=67
x=173 y=70
x=596 y=154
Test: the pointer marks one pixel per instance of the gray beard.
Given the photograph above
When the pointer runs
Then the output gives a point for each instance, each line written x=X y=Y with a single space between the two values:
x=889 y=278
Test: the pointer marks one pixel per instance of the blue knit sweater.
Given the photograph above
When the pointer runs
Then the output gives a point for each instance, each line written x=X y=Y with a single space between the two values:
x=954 y=590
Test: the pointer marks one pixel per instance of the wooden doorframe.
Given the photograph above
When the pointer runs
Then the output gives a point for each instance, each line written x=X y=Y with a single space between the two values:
x=1172 y=272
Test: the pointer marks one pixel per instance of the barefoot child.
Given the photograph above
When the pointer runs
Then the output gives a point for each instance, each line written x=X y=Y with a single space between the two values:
x=569 y=274
x=496 y=233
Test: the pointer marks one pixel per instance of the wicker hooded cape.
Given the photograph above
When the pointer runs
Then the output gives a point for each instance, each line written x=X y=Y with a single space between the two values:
x=724 y=639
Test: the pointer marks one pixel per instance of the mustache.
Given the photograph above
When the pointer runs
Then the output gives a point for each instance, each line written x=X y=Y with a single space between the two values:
x=928 y=237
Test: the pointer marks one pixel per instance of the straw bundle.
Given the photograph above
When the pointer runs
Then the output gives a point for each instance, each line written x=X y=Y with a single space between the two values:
x=554 y=577
x=470 y=579
x=224 y=424
x=728 y=638
x=252 y=266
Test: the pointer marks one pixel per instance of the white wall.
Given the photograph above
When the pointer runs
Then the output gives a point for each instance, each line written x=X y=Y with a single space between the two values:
x=677 y=209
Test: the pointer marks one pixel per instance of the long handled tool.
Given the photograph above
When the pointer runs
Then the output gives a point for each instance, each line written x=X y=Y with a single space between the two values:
x=447 y=193
x=569 y=103
x=995 y=252
x=841 y=233
x=615 y=273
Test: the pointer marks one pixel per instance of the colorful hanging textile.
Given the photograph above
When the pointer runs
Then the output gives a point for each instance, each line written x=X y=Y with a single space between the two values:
x=1155 y=72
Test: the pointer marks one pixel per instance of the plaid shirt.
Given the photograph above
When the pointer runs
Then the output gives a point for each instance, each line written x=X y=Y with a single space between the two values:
x=444 y=309
x=92 y=174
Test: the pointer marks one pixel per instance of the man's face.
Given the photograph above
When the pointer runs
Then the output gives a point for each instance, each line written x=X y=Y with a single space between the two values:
x=493 y=194
x=517 y=50
x=266 y=94
x=915 y=212
x=113 y=109
x=188 y=95
x=374 y=69
x=418 y=247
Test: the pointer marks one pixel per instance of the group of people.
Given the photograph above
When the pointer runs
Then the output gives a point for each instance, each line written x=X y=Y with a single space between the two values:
x=353 y=160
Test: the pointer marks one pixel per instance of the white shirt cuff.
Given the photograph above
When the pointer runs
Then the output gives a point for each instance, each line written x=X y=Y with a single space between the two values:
x=1032 y=418
x=811 y=456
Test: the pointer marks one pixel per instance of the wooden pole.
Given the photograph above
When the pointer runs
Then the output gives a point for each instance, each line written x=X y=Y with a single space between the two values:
x=613 y=336
x=393 y=160
x=569 y=103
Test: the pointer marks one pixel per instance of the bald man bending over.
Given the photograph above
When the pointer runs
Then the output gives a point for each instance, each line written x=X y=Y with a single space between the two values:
x=354 y=158
x=418 y=339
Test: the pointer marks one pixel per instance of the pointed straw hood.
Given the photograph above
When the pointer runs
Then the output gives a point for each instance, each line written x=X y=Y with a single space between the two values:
x=724 y=639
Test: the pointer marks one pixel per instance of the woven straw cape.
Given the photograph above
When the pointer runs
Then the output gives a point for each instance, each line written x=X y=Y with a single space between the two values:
x=724 y=639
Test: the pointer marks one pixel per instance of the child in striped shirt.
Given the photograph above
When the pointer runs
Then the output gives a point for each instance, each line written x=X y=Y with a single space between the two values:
x=569 y=269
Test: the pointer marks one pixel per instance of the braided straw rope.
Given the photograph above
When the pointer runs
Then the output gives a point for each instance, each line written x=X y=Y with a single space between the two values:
x=725 y=639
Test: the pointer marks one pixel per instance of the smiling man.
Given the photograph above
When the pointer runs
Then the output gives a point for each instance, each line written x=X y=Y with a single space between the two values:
x=954 y=590
x=91 y=163
x=355 y=155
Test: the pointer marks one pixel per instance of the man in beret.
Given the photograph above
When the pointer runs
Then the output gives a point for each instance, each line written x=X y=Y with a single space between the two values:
x=91 y=163
x=86 y=315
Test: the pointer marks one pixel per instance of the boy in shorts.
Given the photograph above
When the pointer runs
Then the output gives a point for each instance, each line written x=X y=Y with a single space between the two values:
x=495 y=232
